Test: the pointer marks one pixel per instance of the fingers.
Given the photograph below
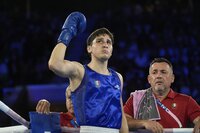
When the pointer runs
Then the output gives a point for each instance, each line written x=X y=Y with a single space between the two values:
x=157 y=129
x=196 y=130
x=197 y=125
x=43 y=106
x=154 y=127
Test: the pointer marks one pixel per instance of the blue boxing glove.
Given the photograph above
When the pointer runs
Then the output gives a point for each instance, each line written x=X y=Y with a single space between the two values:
x=75 y=23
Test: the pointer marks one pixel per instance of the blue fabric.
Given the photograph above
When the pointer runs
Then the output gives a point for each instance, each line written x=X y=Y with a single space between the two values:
x=97 y=100
x=75 y=23
x=45 y=122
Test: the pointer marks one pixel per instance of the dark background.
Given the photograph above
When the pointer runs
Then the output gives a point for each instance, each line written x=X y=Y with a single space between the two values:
x=143 y=30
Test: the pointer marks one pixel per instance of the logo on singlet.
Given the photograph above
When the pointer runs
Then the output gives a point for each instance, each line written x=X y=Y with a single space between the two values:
x=97 y=83
x=117 y=87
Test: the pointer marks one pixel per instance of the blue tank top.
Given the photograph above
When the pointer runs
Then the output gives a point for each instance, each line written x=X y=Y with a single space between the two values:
x=97 y=100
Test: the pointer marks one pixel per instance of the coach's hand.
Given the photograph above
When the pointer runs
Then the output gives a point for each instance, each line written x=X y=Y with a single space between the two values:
x=43 y=106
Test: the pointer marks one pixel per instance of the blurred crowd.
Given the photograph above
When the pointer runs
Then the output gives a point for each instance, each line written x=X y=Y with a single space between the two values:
x=143 y=30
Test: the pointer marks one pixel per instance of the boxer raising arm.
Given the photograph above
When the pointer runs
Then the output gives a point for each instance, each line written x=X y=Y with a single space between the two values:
x=96 y=89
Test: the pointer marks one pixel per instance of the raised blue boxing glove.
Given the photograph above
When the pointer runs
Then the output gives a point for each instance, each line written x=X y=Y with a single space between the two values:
x=75 y=23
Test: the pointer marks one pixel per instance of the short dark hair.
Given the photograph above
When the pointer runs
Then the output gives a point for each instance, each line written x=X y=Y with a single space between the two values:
x=159 y=60
x=99 y=32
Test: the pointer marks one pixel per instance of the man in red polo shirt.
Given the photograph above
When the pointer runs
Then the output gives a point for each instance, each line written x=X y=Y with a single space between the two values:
x=159 y=106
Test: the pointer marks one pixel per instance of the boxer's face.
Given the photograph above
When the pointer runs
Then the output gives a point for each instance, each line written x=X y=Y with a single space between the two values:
x=101 y=47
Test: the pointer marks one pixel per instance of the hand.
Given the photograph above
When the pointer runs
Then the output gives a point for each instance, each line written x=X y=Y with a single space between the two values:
x=197 y=127
x=43 y=106
x=75 y=23
x=153 y=126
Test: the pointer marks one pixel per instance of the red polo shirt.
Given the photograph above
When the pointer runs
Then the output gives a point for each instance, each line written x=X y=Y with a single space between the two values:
x=183 y=106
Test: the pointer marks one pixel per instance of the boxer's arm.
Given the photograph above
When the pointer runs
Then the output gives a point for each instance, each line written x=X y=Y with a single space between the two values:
x=74 y=24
